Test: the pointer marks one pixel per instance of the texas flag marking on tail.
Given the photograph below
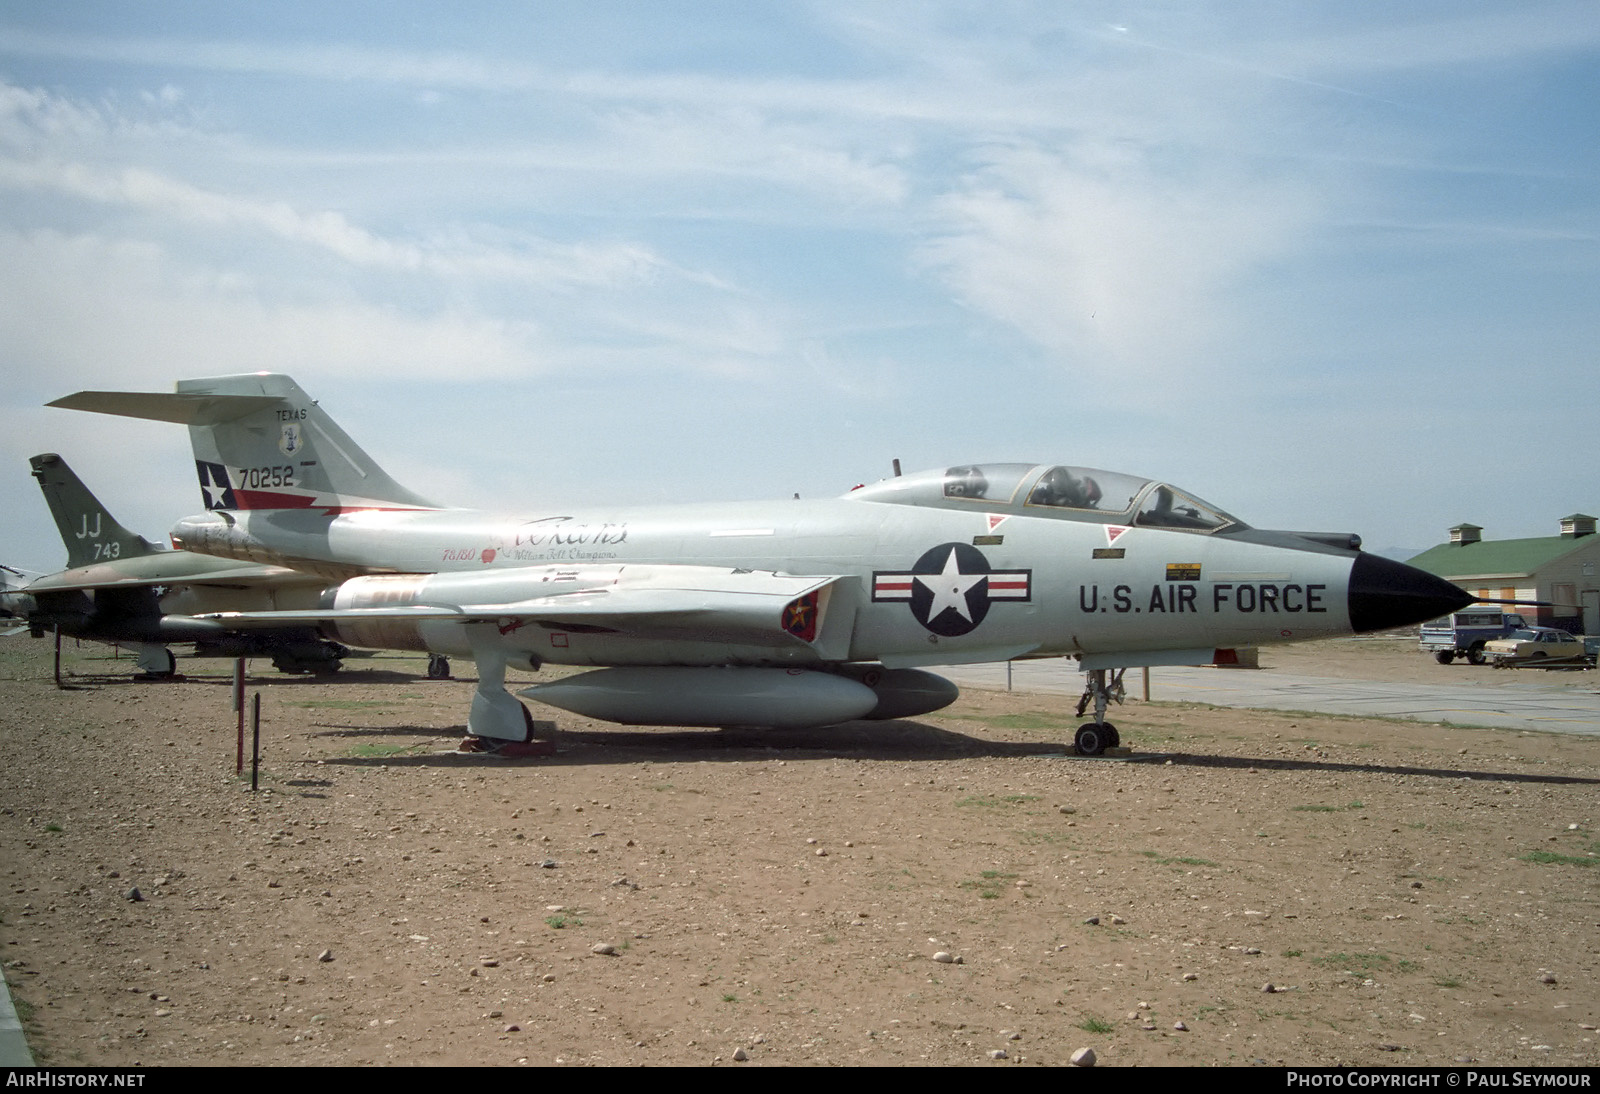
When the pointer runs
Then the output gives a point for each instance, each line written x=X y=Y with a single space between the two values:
x=214 y=487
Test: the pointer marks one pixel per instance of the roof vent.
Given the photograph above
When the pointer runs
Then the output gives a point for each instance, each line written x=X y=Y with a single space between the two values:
x=1463 y=534
x=1578 y=524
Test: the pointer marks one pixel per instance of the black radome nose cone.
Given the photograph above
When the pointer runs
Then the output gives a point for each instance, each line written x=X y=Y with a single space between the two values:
x=1385 y=594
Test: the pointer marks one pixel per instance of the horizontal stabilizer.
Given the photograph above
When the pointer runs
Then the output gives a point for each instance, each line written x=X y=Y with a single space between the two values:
x=163 y=406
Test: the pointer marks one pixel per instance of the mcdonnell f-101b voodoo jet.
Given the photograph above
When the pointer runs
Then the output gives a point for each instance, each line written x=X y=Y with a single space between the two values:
x=788 y=613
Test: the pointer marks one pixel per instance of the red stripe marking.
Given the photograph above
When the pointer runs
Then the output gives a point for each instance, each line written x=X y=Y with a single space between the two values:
x=270 y=499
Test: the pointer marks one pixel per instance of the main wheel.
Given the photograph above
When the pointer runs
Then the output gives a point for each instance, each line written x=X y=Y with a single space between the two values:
x=1475 y=655
x=1113 y=738
x=1444 y=657
x=1091 y=739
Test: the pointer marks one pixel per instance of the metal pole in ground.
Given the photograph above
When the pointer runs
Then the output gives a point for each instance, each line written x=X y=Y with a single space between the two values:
x=238 y=707
x=58 y=655
x=1147 y=683
x=255 y=742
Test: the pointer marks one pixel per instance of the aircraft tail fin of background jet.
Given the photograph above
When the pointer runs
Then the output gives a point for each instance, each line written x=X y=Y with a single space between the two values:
x=90 y=532
x=260 y=442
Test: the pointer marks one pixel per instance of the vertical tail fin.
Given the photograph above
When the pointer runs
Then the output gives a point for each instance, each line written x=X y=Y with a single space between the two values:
x=90 y=532
x=260 y=442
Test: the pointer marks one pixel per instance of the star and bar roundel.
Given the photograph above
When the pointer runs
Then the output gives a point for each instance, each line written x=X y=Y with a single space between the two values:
x=951 y=587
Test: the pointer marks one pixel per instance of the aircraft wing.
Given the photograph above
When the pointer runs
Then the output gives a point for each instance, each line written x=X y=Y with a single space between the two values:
x=166 y=568
x=747 y=608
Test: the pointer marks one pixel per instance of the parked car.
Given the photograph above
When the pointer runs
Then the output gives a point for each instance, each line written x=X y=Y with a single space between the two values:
x=1462 y=634
x=1535 y=644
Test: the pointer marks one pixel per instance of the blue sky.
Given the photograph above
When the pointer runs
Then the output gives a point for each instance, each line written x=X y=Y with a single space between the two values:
x=1331 y=266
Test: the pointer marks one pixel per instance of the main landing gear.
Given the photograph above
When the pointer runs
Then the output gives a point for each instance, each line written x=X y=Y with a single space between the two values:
x=1095 y=737
x=155 y=663
x=527 y=746
x=498 y=723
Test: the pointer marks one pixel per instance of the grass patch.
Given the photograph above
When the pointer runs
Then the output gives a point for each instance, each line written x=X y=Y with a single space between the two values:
x=561 y=921
x=1030 y=720
x=1092 y=1024
x=989 y=887
x=1285 y=715
x=978 y=801
x=1354 y=962
x=1550 y=857
x=1348 y=807
x=53 y=828
x=1182 y=860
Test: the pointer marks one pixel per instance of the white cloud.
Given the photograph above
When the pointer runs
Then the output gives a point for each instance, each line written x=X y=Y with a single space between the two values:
x=91 y=307
x=1118 y=266
x=754 y=147
x=539 y=261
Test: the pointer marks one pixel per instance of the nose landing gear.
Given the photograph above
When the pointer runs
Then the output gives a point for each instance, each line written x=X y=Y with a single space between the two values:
x=1095 y=737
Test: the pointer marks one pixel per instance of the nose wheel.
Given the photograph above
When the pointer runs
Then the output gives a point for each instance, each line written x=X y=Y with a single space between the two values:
x=1095 y=737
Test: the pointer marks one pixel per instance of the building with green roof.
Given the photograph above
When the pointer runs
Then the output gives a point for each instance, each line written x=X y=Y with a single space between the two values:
x=1558 y=569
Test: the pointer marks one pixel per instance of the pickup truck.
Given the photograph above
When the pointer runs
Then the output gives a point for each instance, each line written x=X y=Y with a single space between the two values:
x=1463 y=633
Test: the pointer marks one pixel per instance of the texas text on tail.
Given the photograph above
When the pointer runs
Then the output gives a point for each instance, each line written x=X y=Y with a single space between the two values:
x=780 y=613
x=122 y=588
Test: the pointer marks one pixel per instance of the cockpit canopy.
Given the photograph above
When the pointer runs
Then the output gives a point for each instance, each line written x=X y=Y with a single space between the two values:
x=1072 y=493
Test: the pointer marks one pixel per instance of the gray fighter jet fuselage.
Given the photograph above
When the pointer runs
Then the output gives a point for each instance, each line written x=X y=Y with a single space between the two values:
x=795 y=612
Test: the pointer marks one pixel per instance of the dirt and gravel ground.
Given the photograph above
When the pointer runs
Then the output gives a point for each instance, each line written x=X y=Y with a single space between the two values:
x=1414 y=894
